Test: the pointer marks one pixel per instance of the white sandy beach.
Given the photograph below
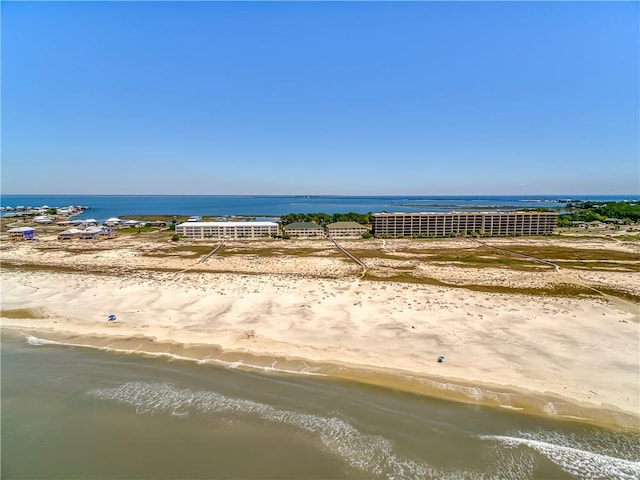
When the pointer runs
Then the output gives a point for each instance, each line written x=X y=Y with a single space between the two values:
x=585 y=350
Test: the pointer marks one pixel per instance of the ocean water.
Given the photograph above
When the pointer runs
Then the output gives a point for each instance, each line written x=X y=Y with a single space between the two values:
x=79 y=413
x=106 y=206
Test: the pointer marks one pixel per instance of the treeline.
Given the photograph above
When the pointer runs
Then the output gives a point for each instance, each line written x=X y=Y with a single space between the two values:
x=627 y=212
x=323 y=219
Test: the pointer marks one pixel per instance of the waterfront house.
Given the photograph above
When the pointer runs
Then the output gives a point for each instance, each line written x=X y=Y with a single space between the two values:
x=70 y=234
x=22 y=233
x=346 y=230
x=112 y=222
x=304 y=230
x=96 y=233
x=43 y=220
x=133 y=224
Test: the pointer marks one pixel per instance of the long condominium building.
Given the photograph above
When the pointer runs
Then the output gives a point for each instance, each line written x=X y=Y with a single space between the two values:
x=468 y=223
x=226 y=230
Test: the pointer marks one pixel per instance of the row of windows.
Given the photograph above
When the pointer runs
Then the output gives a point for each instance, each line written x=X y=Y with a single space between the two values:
x=409 y=225
x=213 y=231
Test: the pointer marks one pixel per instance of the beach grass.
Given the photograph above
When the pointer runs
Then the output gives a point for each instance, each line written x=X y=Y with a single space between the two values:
x=558 y=290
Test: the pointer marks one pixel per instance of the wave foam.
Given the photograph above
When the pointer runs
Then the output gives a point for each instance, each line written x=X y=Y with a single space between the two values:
x=575 y=461
x=372 y=454
x=31 y=340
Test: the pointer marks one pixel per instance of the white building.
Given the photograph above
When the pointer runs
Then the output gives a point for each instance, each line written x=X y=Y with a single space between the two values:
x=43 y=220
x=70 y=234
x=112 y=222
x=132 y=223
x=226 y=230
x=96 y=233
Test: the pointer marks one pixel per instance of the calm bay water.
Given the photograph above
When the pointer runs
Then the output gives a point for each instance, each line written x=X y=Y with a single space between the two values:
x=73 y=412
x=106 y=206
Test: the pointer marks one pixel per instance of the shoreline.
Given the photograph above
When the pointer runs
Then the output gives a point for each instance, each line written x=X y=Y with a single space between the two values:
x=515 y=334
x=508 y=397
x=544 y=355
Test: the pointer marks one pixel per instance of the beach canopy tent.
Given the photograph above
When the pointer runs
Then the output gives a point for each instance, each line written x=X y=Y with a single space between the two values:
x=22 y=233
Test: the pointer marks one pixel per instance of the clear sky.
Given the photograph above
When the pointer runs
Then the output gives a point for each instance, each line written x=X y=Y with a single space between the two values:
x=320 y=98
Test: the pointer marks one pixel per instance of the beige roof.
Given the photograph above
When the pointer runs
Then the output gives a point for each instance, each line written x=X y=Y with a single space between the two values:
x=345 y=225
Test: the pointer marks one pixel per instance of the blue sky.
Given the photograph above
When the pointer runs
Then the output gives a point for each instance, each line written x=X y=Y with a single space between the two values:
x=320 y=98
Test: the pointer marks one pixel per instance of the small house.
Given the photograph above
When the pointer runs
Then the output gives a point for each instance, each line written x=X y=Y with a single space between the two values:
x=96 y=233
x=22 y=233
x=70 y=234
x=133 y=223
x=112 y=222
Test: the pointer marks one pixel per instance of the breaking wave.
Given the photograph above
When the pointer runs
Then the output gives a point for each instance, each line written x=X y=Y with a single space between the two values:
x=31 y=340
x=375 y=455
x=370 y=453
x=575 y=456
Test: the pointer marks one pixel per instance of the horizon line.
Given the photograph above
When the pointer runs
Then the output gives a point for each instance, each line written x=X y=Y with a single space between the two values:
x=637 y=194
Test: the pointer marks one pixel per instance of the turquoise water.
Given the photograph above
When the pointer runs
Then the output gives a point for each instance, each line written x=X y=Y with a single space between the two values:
x=73 y=412
x=106 y=206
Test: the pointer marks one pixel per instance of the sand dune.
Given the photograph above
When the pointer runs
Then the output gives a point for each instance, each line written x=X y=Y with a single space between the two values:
x=584 y=350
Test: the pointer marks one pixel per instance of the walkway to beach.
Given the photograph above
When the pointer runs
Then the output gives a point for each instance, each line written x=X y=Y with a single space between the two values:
x=350 y=255
x=206 y=257
x=570 y=279
x=535 y=259
x=202 y=259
